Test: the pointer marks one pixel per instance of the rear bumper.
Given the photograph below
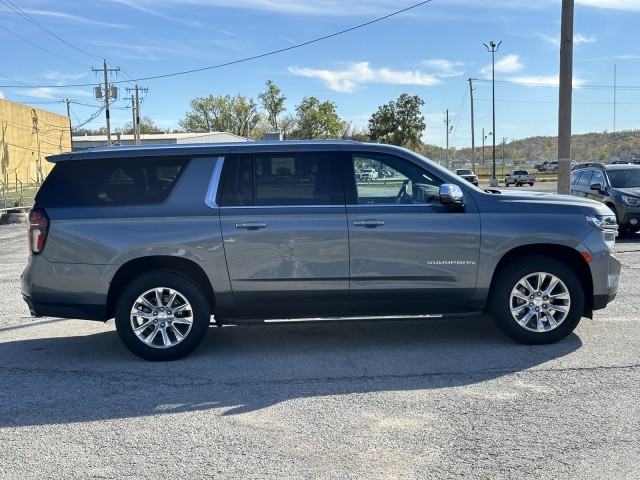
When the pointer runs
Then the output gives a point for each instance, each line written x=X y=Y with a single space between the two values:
x=64 y=290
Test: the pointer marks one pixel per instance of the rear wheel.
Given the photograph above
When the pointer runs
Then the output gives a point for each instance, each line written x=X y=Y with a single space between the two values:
x=537 y=300
x=162 y=315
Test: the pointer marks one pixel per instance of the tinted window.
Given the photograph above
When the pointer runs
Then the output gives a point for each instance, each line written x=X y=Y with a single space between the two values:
x=110 y=182
x=585 y=178
x=282 y=179
x=409 y=184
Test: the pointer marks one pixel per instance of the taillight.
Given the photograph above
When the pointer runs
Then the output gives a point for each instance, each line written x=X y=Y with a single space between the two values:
x=38 y=229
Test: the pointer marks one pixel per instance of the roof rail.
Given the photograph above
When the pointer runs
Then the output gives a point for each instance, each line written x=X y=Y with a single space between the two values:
x=589 y=164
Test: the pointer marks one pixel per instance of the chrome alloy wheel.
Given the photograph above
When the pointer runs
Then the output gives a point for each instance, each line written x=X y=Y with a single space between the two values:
x=161 y=317
x=540 y=302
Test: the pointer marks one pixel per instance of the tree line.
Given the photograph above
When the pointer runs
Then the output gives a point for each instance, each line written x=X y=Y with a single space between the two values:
x=398 y=122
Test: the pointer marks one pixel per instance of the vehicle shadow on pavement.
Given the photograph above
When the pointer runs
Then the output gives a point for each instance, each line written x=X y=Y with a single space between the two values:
x=242 y=369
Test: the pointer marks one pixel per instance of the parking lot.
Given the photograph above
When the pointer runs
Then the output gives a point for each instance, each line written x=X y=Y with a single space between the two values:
x=388 y=399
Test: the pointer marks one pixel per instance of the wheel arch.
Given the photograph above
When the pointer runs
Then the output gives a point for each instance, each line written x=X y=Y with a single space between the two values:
x=136 y=267
x=561 y=253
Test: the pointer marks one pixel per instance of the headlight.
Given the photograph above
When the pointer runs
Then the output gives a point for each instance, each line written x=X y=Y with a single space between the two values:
x=632 y=201
x=603 y=222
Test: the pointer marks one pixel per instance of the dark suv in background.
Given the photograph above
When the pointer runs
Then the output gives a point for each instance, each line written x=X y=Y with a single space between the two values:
x=163 y=238
x=615 y=185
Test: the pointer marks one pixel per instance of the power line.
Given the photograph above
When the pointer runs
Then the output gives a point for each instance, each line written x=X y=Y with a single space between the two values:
x=43 y=49
x=31 y=20
x=555 y=85
x=31 y=86
x=247 y=59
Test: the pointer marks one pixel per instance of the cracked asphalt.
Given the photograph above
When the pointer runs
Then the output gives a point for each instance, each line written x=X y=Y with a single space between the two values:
x=404 y=399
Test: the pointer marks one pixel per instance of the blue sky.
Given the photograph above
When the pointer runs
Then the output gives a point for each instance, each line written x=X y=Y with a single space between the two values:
x=430 y=51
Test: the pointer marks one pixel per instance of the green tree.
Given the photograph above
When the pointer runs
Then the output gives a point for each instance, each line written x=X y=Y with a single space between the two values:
x=272 y=100
x=237 y=115
x=316 y=120
x=147 y=125
x=399 y=123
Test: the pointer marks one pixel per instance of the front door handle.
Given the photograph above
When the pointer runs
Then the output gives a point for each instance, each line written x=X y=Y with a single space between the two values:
x=251 y=225
x=368 y=223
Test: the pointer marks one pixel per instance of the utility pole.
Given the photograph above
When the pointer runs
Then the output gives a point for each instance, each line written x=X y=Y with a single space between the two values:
x=493 y=48
x=136 y=112
x=69 y=117
x=473 y=137
x=107 y=93
x=36 y=129
x=133 y=118
x=448 y=131
x=564 y=103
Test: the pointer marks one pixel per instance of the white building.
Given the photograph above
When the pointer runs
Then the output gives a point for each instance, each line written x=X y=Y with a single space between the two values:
x=82 y=142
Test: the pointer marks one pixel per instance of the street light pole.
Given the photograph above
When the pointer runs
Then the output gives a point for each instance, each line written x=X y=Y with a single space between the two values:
x=492 y=48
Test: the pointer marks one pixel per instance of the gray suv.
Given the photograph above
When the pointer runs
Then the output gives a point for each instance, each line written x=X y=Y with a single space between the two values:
x=615 y=185
x=164 y=238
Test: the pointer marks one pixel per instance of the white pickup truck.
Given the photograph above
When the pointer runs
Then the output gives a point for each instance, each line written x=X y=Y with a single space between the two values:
x=519 y=177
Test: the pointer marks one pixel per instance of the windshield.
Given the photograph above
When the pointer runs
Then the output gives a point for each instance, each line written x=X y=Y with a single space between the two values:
x=627 y=178
x=464 y=172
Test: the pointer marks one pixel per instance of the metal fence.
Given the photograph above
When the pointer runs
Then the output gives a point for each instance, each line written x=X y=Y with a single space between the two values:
x=17 y=195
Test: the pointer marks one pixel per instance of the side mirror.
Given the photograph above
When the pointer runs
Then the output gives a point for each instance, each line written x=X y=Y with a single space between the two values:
x=451 y=194
x=596 y=186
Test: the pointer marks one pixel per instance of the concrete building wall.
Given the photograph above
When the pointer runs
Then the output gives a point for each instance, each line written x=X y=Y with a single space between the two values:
x=27 y=136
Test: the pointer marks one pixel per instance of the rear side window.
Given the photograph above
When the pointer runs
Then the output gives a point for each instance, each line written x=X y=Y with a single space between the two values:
x=283 y=179
x=585 y=178
x=127 y=181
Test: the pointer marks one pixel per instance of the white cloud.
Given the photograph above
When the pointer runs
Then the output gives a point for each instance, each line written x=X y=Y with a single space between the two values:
x=63 y=77
x=506 y=64
x=543 y=80
x=627 y=5
x=74 y=18
x=1 y=95
x=444 y=68
x=57 y=93
x=346 y=81
x=578 y=39
x=296 y=7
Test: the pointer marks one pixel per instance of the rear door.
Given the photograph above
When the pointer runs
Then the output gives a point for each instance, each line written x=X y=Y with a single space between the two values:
x=285 y=235
x=409 y=253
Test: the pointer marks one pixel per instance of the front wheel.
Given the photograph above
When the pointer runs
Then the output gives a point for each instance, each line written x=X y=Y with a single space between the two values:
x=162 y=315
x=537 y=300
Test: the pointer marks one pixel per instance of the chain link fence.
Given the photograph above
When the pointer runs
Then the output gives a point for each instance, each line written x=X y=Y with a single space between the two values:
x=17 y=195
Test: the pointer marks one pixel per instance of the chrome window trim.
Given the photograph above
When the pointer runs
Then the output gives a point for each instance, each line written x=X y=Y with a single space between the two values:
x=341 y=205
x=214 y=184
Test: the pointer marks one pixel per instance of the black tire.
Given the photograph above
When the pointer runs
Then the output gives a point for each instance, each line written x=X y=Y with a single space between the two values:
x=531 y=184
x=546 y=325
x=173 y=329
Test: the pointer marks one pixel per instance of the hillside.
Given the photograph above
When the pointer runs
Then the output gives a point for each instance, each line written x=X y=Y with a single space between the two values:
x=588 y=147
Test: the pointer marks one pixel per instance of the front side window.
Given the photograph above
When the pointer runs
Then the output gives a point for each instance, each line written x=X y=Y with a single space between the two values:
x=282 y=179
x=597 y=177
x=398 y=181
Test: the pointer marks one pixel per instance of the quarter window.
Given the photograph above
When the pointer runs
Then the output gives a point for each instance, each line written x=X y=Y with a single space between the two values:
x=127 y=181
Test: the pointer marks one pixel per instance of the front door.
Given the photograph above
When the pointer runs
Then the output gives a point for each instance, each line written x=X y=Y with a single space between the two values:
x=409 y=253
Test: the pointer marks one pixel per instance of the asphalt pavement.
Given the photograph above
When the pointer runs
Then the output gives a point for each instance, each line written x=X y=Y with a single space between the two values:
x=389 y=399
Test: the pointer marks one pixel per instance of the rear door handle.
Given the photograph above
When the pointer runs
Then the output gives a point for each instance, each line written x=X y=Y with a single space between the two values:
x=368 y=223
x=251 y=225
